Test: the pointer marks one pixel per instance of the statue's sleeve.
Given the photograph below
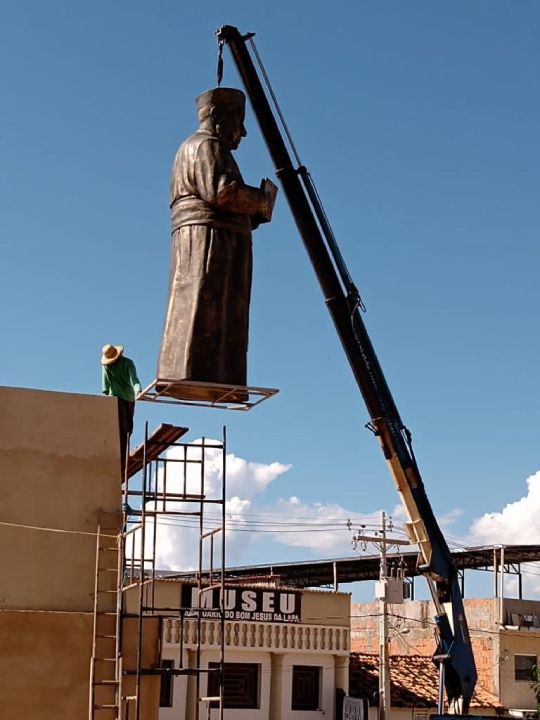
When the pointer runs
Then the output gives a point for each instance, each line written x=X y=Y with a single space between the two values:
x=219 y=182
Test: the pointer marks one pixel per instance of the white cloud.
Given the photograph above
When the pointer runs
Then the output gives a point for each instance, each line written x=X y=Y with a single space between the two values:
x=315 y=529
x=517 y=523
x=245 y=479
x=309 y=529
x=177 y=535
x=249 y=479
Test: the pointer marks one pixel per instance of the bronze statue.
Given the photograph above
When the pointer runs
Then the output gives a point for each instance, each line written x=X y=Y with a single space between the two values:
x=213 y=213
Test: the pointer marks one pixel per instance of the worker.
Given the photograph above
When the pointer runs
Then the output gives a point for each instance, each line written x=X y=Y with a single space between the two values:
x=213 y=213
x=119 y=379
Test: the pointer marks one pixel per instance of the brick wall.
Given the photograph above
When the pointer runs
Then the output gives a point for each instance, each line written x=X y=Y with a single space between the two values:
x=412 y=632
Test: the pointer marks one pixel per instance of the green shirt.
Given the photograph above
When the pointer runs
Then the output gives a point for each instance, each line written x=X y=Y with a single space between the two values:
x=120 y=379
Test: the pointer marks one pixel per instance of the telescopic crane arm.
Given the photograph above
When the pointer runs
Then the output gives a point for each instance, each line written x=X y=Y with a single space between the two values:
x=454 y=653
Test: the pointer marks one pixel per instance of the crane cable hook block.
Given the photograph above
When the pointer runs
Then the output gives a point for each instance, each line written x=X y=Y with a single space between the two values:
x=220 y=43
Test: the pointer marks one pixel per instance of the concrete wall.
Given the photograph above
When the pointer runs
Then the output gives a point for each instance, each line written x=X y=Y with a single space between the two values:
x=318 y=607
x=44 y=665
x=60 y=479
x=180 y=684
x=326 y=608
x=516 y=693
x=150 y=654
x=60 y=471
x=166 y=594
x=521 y=607
x=275 y=687
x=45 y=660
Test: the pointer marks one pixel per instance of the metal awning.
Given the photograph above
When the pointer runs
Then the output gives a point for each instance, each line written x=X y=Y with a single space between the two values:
x=322 y=573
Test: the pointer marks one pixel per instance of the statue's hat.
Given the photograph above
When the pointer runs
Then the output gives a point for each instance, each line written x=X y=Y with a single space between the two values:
x=222 y=97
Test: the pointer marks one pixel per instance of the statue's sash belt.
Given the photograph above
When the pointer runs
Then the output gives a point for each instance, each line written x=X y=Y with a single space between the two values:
x=191 y=210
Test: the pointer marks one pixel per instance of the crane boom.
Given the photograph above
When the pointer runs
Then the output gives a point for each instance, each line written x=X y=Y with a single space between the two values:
x=454 y=653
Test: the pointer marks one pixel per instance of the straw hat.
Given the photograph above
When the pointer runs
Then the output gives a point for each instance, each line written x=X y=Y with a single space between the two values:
x=111 y=353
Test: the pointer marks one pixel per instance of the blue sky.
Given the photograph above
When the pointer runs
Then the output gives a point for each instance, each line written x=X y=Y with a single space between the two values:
x=419 y=122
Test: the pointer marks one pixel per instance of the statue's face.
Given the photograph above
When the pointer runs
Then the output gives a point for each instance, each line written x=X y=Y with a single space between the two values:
x=230 y=128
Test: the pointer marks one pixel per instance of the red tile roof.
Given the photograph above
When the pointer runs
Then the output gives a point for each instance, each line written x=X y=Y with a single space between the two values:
x=414 y=681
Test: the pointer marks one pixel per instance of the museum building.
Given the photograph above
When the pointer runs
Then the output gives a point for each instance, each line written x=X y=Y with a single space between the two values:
x=286 y=652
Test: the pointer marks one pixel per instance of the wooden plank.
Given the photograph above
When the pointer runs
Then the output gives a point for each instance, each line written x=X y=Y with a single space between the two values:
x=162 y=438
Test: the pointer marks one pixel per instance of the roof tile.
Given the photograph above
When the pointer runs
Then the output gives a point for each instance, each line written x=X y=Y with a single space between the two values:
x=414 y=681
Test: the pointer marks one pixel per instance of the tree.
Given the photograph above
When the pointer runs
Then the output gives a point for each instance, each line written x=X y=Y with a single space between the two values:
x=535 y=686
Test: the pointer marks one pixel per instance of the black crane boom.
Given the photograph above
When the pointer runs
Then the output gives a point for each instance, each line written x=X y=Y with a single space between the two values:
x=454 y=653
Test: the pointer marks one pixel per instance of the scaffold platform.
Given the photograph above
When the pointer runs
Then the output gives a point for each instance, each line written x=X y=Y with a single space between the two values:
x=160 y=440
x=203 y=394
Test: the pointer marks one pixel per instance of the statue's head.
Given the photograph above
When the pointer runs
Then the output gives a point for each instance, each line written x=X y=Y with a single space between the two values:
x=223 y=110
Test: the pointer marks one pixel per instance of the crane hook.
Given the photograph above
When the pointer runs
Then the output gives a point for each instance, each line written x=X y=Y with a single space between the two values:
x=220 y=61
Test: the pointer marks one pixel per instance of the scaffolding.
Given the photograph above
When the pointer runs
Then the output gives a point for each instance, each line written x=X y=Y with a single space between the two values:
x=166 y=482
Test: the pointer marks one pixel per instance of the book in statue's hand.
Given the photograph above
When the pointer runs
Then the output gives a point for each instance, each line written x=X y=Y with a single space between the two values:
x=270 y=190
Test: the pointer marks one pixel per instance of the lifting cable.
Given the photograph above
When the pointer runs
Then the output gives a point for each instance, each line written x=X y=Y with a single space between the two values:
x=353 y=296
x=354 y=299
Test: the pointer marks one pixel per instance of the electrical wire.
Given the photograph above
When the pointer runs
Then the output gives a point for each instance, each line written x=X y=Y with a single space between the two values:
x=418 y=621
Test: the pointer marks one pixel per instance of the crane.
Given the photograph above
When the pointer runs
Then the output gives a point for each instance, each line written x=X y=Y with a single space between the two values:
x=453 y=654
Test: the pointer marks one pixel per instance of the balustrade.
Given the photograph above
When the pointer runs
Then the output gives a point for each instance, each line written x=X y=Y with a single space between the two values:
x=264 y=636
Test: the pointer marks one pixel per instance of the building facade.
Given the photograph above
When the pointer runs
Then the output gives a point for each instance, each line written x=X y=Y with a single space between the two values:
x=286 y=654
x=505 y=635
x=59 y=455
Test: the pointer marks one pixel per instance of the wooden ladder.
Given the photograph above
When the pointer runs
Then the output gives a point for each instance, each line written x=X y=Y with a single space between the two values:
x=105 y=696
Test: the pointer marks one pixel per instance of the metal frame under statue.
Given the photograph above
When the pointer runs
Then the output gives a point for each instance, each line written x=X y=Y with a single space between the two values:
x=213 y=213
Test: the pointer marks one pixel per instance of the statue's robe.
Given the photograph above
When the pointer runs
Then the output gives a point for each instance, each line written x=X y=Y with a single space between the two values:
x=205 y=337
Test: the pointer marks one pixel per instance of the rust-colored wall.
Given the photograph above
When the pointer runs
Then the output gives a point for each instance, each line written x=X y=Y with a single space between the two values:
x=60 y=470
x=494 y=647
x=417 y=619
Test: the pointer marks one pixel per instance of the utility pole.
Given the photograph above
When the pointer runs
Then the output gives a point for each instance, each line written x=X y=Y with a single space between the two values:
x=384 y=665
x=381 y=591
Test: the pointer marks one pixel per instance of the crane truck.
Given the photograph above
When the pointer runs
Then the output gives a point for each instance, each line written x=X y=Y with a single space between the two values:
x=454 y=656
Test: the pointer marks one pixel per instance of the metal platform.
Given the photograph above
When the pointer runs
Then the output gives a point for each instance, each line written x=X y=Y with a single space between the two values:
x=202 y=394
